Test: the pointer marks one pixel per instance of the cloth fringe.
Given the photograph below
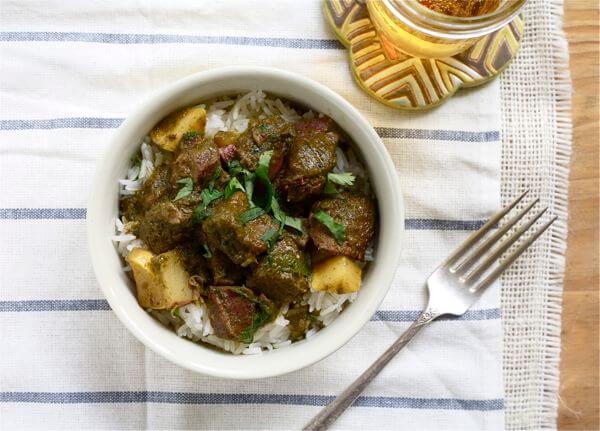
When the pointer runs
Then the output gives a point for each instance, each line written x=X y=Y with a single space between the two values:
x=563 y=91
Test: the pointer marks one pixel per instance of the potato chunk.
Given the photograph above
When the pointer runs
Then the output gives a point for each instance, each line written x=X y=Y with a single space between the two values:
x=169 y=131
x=161 y=281
x=148 y=286
x=174 y=278
x=338 y=274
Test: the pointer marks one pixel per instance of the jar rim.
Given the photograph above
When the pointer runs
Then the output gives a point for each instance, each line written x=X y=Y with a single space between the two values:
x=433 y=23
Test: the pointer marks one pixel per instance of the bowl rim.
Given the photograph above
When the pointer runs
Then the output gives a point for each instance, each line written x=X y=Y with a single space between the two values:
x=197 y=357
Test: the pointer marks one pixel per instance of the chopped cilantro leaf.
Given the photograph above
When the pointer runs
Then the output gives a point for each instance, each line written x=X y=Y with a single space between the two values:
x=343 y=179
x=261 y=316
x=265 y=159
x=336 y=229
x=277 y=212
x=187 y=186
x=249 y=186
x=262 y=174
x=293 y=222
x=235 y=167
x=233 y=185
x=270 y=236
x=251 y=214
x=207 y=195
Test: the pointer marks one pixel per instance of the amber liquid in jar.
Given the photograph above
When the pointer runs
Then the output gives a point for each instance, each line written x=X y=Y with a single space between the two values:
x=401 y=38
x=461 y=8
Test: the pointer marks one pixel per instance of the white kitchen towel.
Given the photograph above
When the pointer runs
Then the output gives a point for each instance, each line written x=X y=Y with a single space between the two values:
x=70 y=71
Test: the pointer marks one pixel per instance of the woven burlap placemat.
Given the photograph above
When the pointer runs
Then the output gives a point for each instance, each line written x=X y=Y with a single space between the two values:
x=536 y=103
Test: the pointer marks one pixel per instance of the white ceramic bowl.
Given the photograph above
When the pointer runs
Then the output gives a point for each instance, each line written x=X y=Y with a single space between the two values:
x=103 y=209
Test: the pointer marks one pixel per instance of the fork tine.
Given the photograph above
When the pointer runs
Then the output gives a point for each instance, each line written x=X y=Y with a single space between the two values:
x=513 y=256
x=493 y=239
x=476 y=236
x=502 y=247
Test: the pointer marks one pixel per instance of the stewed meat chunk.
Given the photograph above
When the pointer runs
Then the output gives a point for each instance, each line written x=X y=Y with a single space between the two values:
x=226 y=230
x=282 y=274
x=156 y=187
x=273 y=133
x=311 y=157
x=164 y=226
x=356 y=213
x=236 y=313
x=197 y=159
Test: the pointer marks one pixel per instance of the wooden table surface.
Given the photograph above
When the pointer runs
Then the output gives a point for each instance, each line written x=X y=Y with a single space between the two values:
x=578 y=404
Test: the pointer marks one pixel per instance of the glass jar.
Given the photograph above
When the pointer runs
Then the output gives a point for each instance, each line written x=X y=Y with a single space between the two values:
x=407 y=26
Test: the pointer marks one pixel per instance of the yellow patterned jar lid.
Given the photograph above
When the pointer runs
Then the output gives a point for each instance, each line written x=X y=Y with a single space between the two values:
x=405 y=82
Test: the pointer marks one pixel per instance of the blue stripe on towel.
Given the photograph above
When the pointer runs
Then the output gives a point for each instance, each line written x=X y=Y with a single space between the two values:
x=54 y=305
x=42 y=213
x=384 y=132
x=62 y=123
x=38 y=305
x=437 y=224
x=438 y=135
x=229 y=399
x=146 y=39
x=411 y=315
x=79 y=213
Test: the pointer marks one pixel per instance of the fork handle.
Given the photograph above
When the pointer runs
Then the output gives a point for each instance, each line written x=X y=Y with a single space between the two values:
x=334 y=409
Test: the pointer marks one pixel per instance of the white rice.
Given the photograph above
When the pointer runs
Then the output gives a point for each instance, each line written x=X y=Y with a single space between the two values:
x=192 y=321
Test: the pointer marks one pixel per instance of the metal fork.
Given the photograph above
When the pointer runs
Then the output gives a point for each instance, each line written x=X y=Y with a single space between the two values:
x=453 y=287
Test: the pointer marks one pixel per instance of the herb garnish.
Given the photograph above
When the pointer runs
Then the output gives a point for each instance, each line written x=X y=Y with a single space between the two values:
x=249 y=186
x=293 y=222
x=343 y=179
x=336 y=229
x=207 y=195
x=262 y=174
x=270 y=236
x=251 y=214
x=187 y=186
x=235 y=167
x=262 y=313
x=261 y=316
x=233 y=185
